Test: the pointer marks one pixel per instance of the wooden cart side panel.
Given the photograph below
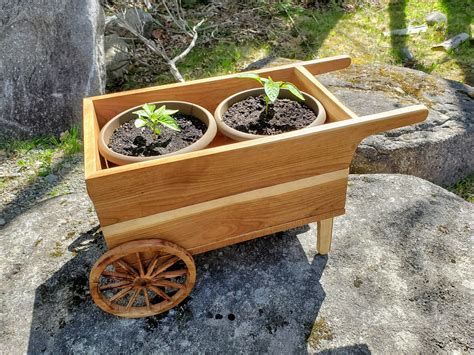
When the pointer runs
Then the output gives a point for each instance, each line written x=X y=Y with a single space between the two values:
x=205 y=92
x=215 y=224
x=143 y=189
x=137 y=193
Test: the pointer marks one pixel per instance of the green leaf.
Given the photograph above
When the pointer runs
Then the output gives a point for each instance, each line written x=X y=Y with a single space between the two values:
x=157 y=130
x=272 y=90
x=140 y=113
x=149 y=108
x=139 y=123
x=294 y=90
x=170 y=112
x=169 y=122
x=160 y=110
x=251 y=76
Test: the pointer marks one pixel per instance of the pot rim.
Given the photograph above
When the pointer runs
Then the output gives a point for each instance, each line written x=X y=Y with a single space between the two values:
x=243 y=136
x=121 y=159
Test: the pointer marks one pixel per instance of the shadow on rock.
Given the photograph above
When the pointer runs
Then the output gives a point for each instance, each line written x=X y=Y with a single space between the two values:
x=260 y=296
x=361 y=349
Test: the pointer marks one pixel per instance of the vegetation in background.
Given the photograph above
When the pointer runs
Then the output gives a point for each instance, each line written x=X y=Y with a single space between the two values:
x=464 y=188
x=69 y=143
x=243 y=32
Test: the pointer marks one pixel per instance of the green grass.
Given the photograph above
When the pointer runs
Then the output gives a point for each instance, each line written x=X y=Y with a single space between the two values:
x=464 y=188
x=69 y=143
x=360 y=34
x=41 y=155
x=221 y=59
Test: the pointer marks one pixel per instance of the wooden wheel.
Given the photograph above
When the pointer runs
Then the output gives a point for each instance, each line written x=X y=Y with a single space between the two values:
x=142 y=278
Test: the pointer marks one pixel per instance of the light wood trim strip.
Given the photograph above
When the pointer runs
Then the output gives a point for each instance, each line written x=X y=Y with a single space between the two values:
x=335 y=109
x=264 y=232
x=155 y=219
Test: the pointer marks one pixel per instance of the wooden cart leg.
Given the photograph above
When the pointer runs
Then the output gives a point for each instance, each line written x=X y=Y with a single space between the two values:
x=324 y=236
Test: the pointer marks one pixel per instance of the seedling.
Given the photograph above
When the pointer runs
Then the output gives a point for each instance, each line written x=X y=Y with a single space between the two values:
x=152 y=118
x=272 y=88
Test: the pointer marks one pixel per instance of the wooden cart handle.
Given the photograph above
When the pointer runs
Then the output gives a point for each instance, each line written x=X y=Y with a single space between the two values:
x=365 y=126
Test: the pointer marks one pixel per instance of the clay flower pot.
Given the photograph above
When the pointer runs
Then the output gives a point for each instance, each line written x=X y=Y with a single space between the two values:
x=186 y=108
x=237 y=135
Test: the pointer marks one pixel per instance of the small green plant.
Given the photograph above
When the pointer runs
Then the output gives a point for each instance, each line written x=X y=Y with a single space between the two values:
x=152 y=118
x=272 y=88
x=69 y=141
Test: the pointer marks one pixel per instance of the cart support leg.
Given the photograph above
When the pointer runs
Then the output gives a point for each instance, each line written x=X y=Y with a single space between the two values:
x=324 y=236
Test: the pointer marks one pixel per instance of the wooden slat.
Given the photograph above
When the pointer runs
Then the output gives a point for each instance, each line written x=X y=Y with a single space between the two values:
x=210 y=226
x=264 y=232
x=275 y=190
x=336 y=110
x=91 y=132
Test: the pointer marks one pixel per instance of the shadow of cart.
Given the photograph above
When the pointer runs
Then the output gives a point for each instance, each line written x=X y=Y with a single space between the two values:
x=258 y=296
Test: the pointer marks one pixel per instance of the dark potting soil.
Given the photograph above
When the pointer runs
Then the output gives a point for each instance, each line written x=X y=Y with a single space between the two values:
x=284 y=115
x=142 y=142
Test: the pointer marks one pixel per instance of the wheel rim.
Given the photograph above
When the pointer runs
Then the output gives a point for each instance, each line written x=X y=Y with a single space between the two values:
x=142 y=278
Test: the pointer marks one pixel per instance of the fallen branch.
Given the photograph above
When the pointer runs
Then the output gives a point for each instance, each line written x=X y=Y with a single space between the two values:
x=156 y=46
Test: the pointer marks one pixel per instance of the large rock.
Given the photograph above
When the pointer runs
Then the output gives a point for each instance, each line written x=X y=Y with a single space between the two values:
x=51 y=57
x=399 y=280
x=439 y=149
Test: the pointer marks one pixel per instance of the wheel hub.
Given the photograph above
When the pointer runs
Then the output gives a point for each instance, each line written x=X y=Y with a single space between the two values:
x=142 y=282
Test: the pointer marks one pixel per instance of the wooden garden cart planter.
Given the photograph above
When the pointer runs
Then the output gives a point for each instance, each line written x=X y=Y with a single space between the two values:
x=156 y=214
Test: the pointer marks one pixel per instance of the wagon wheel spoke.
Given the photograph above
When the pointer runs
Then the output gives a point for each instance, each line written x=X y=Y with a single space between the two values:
x=127 y=267
x=120 y=294
x=159 y=292
x=147 y=298
x=169 y=284
x=133 y=298
x=121 y=284
x=152 y=264
x=171 y=274
x=140 y=265
x=170 y=262
x=117 y=275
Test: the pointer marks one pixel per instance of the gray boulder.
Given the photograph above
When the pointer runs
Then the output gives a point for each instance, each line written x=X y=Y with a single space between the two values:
x=135 y=17
x=116 y=56
x=51 y=57
x=436 y=18
x=439 y=149
x=398 y=280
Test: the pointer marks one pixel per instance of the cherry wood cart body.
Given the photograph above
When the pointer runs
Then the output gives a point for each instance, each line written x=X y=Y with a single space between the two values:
x=156 y=214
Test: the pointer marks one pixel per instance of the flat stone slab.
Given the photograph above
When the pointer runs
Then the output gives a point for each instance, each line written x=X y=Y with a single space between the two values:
x=438 y=150
x=399 y=279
